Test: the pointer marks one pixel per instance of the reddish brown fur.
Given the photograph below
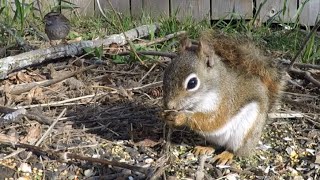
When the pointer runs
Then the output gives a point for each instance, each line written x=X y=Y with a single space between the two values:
x=210 y=122
x=246 y=75
x=241 y=54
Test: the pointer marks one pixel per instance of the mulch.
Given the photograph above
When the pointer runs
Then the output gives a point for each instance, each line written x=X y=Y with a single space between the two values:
x=112 y=113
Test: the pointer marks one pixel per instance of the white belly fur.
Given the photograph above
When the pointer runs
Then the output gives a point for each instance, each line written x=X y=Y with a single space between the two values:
x=232 y=134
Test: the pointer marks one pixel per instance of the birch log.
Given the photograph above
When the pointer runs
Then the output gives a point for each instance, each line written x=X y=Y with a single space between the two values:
x=23 y=60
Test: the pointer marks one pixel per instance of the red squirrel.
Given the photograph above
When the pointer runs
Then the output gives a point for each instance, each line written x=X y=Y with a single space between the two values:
x=222 y=89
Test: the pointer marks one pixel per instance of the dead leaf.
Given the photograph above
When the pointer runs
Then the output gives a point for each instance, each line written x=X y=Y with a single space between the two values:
x=23 y=78
x=123 y=92
x=147 y=143
x=107 y=80
x=74 y=84
x=113 y=48
x=36 y=93
x=33 y=134
x=8 y=138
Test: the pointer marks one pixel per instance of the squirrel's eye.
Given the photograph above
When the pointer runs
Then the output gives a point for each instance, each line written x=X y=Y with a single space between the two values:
x=192 y=82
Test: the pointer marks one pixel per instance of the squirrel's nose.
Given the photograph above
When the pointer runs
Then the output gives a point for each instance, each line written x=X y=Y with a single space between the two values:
x=171 y=105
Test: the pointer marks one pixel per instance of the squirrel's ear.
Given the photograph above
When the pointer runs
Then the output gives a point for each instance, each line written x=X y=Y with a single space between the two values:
x=184 y=43
x=205 y=53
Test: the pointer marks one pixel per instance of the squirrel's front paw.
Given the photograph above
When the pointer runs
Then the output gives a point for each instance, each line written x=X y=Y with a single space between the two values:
x=175 y=118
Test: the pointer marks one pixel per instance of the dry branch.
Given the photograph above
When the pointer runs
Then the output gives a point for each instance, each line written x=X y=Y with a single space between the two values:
x=61 y=156
x=13 y=63
x=162 y=39
x=21 y=88
x=301 y=65
x=152 y=53
x=306 y=75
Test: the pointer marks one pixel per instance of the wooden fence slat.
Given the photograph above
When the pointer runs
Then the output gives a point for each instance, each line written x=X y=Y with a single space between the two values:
x=198 y=9
x=122 y=6
x=45 y=5
x=310 y=12
x=272 y=7
x=154 y=8
x=86 y=7
x=224 y=9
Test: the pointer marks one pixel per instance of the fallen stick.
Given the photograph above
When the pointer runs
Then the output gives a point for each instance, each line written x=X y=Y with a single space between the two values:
x=49 y=130
x=152 y=53
x=305 y=75
x=21 y=88
x=67 y=157
x=301 y=65
x=162 y=39
x=284 y=115
x=23 y=60
x=158 y=83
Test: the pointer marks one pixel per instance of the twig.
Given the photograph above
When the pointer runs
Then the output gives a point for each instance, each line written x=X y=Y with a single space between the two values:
x=168 y=140
x=199 y=173
x=152 y=53
x=242 y=171
x=89 y=96
x=145 y=86
x=302 y=95
x=3 y=50
x=68 y=156
x=165 y=157
x=21 y=88
x=285 y=115
x=301 y=65
x=162 y=39
x=306 y=75
x=122 y=30
x=51 y=127
x=48 y=130
x=106 y=162
x=153 y=66
x=120 y=72
x=315 y=107
x=12 y=115
x=161 y=167
x=314 y=29
x=315 y=123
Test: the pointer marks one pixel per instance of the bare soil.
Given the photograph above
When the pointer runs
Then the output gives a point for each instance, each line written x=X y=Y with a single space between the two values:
x=117 y=119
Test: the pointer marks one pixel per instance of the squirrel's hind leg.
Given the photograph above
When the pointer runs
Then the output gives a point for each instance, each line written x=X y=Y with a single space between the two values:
x=223 y=158
x=201 y=150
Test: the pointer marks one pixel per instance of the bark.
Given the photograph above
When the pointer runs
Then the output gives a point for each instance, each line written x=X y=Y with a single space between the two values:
x=23 y=60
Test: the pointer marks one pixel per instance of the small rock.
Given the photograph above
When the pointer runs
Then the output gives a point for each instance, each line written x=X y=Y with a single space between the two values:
x=232 y=177
x=317 y=161
x=298 y=178
x=149 y=160
x=88 y=172
x=24 y=167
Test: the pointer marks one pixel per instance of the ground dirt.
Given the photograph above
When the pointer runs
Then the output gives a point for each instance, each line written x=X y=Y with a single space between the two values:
x=120 y=122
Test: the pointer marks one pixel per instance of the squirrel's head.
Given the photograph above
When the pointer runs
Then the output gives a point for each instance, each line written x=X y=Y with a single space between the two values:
x=191 y=81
